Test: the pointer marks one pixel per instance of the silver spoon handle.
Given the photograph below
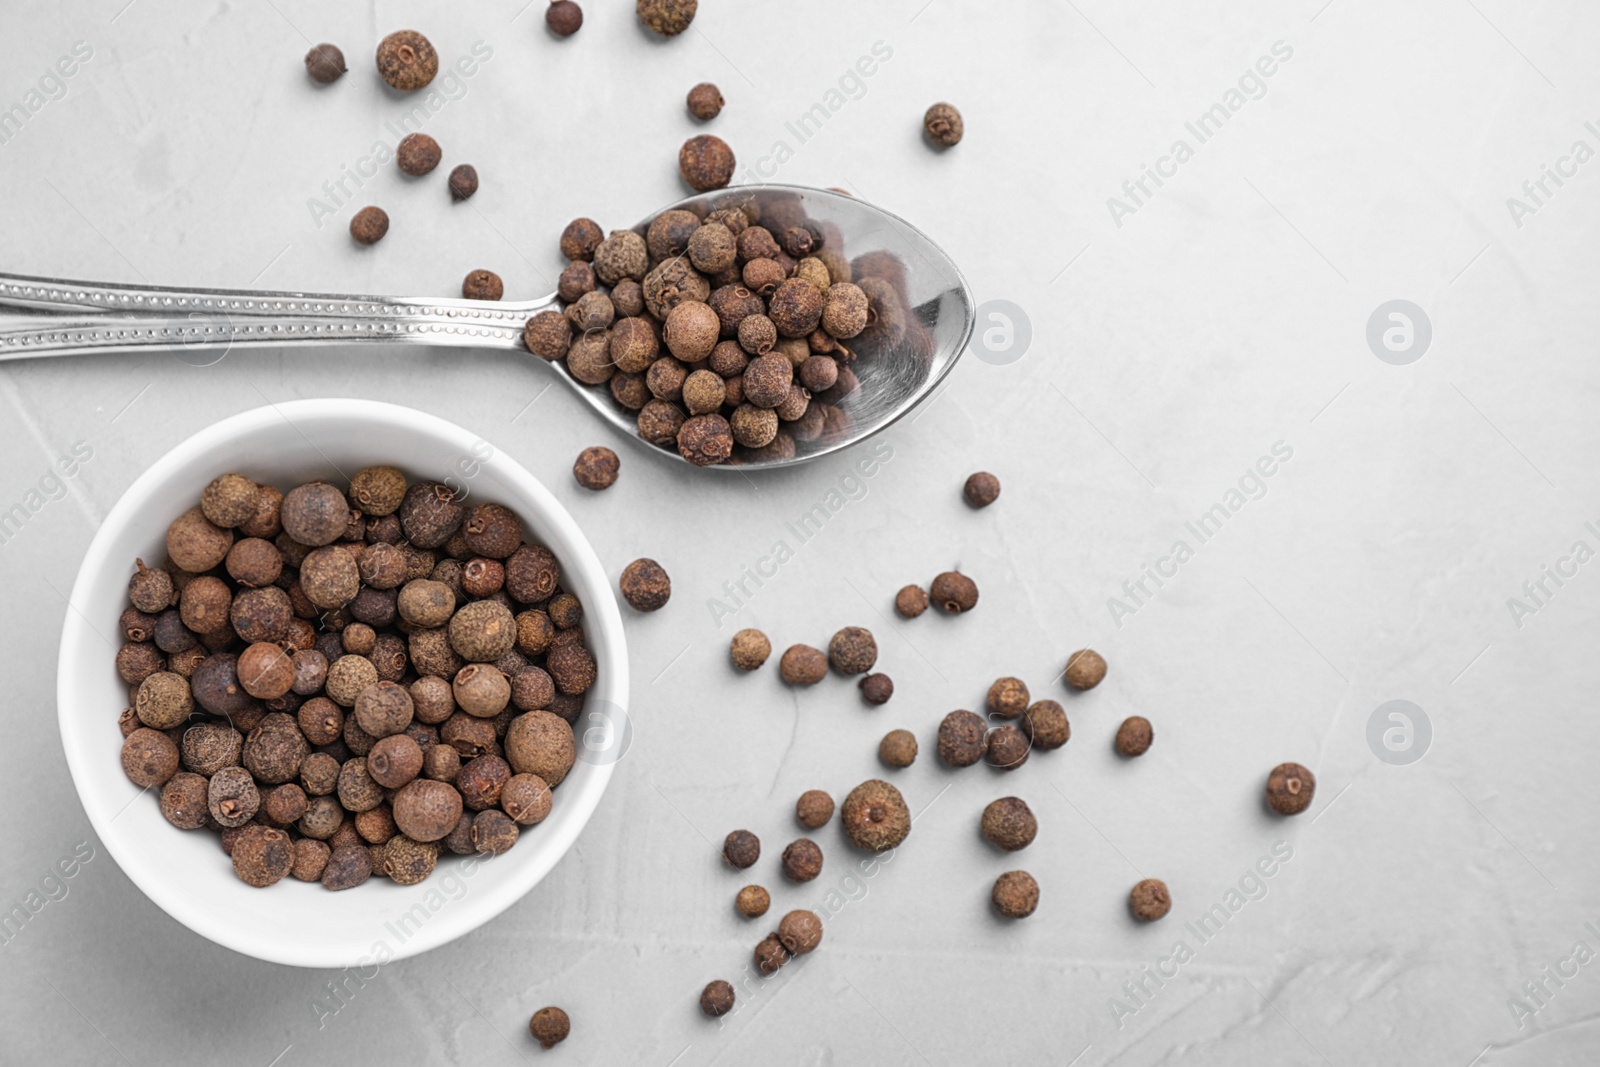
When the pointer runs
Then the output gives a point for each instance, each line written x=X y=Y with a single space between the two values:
x=56 y=317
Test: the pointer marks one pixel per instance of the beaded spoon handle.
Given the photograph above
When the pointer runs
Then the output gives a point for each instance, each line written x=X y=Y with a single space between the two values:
x=57 y=317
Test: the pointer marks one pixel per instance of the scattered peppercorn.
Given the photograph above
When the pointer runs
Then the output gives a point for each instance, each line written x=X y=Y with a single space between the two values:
x=563 y=17
x=852 y=650
x=875 y=816
x=717 y=998
x=550 y=1027
x=369 y=225
x=954 y=592
x=1134 y=736
x=898 y=748
x=482 y=285
x=705 y=101
x=1149 y=900
x=802 y=860
x=1008 y=698
x=596 y=468
x=877 y=688
x=981 y=489
x=1009 y=823
x=463 y=181
x=1045 y=723
x=1016 y=894
x=407 y=61
x=803 y=665
x=749 y=649
x=942 y=124
x=770 y=955
x=911 y=601
x=741 y=849
x=962 y=738
x=1007 y=748
x=705 y=161
x=1086 y=669
x=667 y=17
x=417 y=154
x=1290 y=788
x=753 y=901
x=325 y=63
x=645 y=585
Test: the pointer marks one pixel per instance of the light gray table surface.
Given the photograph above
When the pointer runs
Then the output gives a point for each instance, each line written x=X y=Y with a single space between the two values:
x=1175 y=340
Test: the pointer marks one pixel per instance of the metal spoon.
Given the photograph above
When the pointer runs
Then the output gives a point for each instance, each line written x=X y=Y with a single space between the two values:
x=922 y=318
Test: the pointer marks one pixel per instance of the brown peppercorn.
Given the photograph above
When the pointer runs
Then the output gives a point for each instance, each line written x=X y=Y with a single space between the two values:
x=265 y=671
x=483 y=631
x=621 y=255
x=429 y=514
x=532 y=574
x=596 y=467
x=802 y=860
x=813 y=809
x=563 y=17
x=1009 y=823
x=705 y=161
x=441 y=763
x=1015 y=894
x=481 y=781
x=704 y=392
x=229 y=501
x=753 y=901
x=463 y=181
x=1008 y=698
x=580 y=239
x=232 y=796
x=262 y=855
x=818 y=373
x=705 y=101
x=136 y=662
x=767 y=380
x=408 y=862
x=962 y=740
x=1149 y=900
x=426 y=810
x=319 y=774
x=324 y=817
x=981 y=489
x=526 y=799
x=875 y=816
x=314 y=514
x=310 y=860
x=1045 y=723
x=483 y=577
x=659 y=422
x=482 y=285
x=803 y=665
x=713 y=248
x=417 y=154
x=209 y=747
x=853 y=650
x=195 y=544
x=911 y=601
x=164 y=701
x=800 y=931
x=749 y=649
x=667 y=17
x=898 y=748
x=183 y=800
x=259 y=614
x=770 y=955
x=264 y=523
x=285 y=805
x=369 y=225
x=492 y=530
x=394 y=761
x=1290 y=788
x=550 y=1026
x=1007 y=748
x=942 y=124
x=716 y=998
x=254 y=562
x=425 y=603
x=751 y=426
x=383 y=708
x=470 y=737
x=1134 y=736
x=1086 y=669
x=325 y=63
x=757 y=334
x=954 y=592
x=348 y=866
x=204 y=605
x=572 y=667
x=541 y=742
x=741 y=849
x=645 y=585
x=876 y=688
x=846 y=311
x=407 y=61
x=691 y=331
x=150 y=590
x=795 y=307
x=348 y=678
x=493 y=832
x=548 y=335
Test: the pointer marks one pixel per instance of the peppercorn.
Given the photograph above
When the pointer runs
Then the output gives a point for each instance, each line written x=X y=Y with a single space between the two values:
x=315 y=514
x=209 y=747
x=981 y=489
x=961 y=738
x=875 y=816
x=463 y=181
x=813 y=809
x=802 y=860
x=770 y=955
x=164 y=701
x=596 y=467
x=232 y=796
x=1086 y=669
x=1290 y=788
x=262 y=855
x=348 y=677
x=592 y=311
x=751 y=426
x=482 y=285
x=713 y=248
x=1007 y=748
x=621 y=255
x=183 y=800
x=853 y=650
x=310 y=859
x=526 y=798
x=795 y=307
x=645 y=585
x=254 y=562
x=734 y=303
x=481 y=781
x=911 y=601
x=541 y=742
x=818 y=373
x=580 y=239
x=749 y=649
x=408 y=862
x=757 y=334
x=550 y=1026
x=482 y=631
x=425 y=603
x=429 y=514
x=954 y=592
x=876 y=688
x=705 y=162
x=493 y=832
x=659 y=423
x=196 y=544
x=1008 y=698
x=898 y=748
x=383 y=708
x=1045 y=723
x=229 y=501
x=575 y=282
x=407 y=61
x=741 y=849
x=325 y=63
x=426 y=810
x=548 y=335
x=1009 y=823
x=753 y=901
x=704 y=392
x=150 y=590
x=368 y=225
x=1149 y=900
x=767 y=380
x=264 y=523
x=347 y=867
x=532 y=574
x=1134 y=736
x=717 y=998
x=441 y=763
x=942 y=125
x=149 y=758
x=800 y=931
x=136 y=662
x=803 y=665
x=1015 y=894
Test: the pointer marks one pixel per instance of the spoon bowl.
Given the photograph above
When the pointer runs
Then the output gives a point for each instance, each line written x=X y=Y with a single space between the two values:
x=921 y=319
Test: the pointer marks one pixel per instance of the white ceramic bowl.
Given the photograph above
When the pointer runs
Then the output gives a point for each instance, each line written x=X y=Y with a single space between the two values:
x=186 y=873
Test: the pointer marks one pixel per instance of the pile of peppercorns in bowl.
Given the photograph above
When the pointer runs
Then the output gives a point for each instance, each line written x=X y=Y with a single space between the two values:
x=736 y=328
x=350 y=672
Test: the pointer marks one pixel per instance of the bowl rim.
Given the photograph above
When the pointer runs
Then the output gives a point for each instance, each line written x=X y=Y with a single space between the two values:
x=602 y=619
